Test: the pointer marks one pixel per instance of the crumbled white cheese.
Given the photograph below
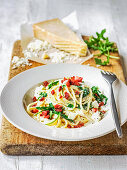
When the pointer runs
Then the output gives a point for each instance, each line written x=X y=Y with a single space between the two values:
x=59 y=56
x=38 y=90
x=96 y=116
x=55 y=116
x=39 y=103
x=16 y=61
x=64 y=83
x=72 y=115
x=38 y=48
x=27 y=54
x=95 y=104
x=60 y=82
x=35 y=46
x=48 y=100
x=103 y=108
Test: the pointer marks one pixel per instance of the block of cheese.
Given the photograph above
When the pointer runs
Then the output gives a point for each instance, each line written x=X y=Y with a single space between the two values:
x=60 y=36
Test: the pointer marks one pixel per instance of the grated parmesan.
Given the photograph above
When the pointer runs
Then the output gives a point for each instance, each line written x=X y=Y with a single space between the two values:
x=96 y=117
x=95 y=104
x=40 y=49
x=46 y=52
x=16 y=62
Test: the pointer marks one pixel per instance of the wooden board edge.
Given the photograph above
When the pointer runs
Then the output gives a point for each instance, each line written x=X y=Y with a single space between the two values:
x=39 y=149
x=10 y=149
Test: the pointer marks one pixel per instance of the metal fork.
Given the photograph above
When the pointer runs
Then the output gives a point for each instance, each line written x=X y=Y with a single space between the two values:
x=110 y=78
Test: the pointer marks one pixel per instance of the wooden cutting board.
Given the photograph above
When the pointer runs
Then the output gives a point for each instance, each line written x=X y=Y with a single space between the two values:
x=17 y=142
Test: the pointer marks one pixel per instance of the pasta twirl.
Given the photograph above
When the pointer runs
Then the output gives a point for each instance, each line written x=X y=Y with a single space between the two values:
x=67 y=103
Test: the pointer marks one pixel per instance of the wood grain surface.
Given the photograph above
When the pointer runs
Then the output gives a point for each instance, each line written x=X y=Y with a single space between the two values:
x=17 y=142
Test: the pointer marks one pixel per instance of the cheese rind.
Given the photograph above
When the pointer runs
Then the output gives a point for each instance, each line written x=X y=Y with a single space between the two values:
x=60 y=36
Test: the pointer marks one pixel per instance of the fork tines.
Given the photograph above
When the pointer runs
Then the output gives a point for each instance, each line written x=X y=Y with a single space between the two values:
x=107 y=72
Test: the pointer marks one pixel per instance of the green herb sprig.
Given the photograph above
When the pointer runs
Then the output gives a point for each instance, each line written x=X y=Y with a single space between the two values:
x=80 y=87
x=52 y=111
x=85 y=106
x=63 y=87
x=66 y=117
x=85 y=91
x=42 y=94
x=102 y=44
x=52 y=84
x=98 y=95
x=70 y=105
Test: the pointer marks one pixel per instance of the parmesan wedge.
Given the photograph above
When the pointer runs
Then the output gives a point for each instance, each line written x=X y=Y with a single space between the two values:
x=60 y=36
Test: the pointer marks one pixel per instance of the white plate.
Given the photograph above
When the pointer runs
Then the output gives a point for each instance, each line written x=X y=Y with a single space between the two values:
x=13 y=93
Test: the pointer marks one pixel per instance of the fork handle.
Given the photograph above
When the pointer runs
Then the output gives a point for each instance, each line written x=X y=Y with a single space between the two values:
x=115 y=114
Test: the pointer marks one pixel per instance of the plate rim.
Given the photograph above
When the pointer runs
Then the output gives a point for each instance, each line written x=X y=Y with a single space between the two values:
x=45 y=137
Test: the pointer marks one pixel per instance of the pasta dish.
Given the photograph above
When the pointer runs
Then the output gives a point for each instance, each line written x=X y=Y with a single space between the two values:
x=67 y=103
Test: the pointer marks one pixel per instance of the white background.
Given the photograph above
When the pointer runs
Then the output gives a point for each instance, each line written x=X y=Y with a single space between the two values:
x=93 y=16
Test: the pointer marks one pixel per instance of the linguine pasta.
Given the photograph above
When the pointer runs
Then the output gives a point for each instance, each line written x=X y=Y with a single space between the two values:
x=67 y=103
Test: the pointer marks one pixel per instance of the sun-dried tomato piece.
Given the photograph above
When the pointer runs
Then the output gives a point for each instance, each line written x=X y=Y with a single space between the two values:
x=101 y=104
x=60 y=88
x=44 y=113
x=34 y=99
x=94 y=110
x=67 y=95
x=69 y=126
x=45 y=83
x=47 y=116
x=77 y=92
x=53 y=92
x=42 y=99
x=34 y=110
x=34 y=105
x=68 y=83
